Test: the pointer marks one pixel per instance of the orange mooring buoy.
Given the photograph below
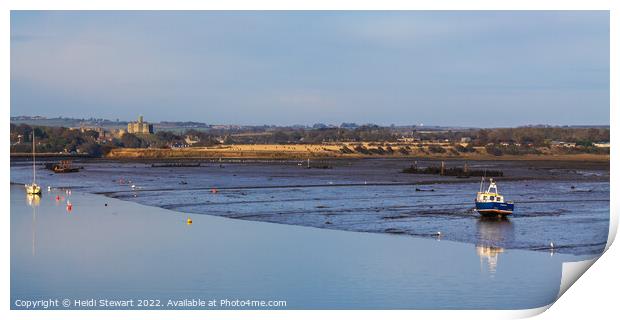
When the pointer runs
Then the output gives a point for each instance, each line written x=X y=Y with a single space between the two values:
x=189 y=221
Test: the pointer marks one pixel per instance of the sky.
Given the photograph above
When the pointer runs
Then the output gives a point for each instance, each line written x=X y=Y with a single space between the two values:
x=456 y=68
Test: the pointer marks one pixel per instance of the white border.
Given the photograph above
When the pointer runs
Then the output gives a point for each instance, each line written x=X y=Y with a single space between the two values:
x=604 y=281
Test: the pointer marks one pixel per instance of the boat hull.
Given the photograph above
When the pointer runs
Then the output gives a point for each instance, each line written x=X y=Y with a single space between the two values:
x=65 y=170
x=494 y=208
x=33 y=189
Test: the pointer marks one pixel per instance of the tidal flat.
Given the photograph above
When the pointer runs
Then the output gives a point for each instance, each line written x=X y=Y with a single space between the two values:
x=564 y=203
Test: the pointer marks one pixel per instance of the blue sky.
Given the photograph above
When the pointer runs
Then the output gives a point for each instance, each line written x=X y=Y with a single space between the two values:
x=467 y=68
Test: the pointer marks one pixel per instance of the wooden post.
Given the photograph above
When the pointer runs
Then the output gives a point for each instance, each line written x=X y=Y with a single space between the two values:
x=443 y=168
x=465 y=168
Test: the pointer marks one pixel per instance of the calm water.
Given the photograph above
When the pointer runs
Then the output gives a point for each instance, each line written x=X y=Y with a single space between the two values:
x=125 y=250
x=555 y=202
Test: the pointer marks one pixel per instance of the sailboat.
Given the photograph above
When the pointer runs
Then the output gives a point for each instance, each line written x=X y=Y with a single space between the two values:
x=33 y=188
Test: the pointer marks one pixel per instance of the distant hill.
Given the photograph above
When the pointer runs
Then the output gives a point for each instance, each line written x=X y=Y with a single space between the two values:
x=183 y=125
x=103 y=123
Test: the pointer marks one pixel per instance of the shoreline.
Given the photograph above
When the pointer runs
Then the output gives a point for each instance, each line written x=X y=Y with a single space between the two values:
x=190 y=189
x=301 y=152
x=212 y=158
x=426 y=237
x=570 y=162
x=347 y=151
x=114 y=196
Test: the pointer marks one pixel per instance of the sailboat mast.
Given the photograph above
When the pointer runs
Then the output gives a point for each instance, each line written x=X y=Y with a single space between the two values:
x=482 y=180
x=34 y=172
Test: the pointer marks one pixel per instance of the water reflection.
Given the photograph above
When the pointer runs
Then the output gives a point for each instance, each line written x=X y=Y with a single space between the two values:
x=33 y=201
x=492 y=234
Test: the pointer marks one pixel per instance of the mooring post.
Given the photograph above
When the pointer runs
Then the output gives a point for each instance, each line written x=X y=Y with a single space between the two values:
x=443 y=168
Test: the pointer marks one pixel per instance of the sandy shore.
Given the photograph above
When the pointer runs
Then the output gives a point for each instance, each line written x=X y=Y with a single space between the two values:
x=314 y=151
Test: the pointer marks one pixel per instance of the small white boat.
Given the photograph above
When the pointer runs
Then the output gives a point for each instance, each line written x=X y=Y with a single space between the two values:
x=33 y=188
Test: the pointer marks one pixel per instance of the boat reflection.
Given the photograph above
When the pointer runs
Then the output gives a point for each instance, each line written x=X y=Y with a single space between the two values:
x=492 y=234
x=33 y=201
x=490 y=254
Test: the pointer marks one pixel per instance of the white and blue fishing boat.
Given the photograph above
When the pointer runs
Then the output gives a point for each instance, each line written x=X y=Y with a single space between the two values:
x=491 y=203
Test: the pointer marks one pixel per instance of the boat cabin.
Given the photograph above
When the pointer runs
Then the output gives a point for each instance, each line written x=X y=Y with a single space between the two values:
x=491 y=195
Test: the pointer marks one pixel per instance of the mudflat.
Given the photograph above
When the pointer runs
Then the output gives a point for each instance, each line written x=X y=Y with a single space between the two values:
x=564 y=202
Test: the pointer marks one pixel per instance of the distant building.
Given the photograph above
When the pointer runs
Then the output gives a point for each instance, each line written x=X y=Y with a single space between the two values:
x=563 y=144
x=104 y=135
x=119 y=133
x=140 y=127
x=190 y=140
x=407 y=139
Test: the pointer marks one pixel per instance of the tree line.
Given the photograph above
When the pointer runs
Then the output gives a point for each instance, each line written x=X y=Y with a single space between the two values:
x=497 y=141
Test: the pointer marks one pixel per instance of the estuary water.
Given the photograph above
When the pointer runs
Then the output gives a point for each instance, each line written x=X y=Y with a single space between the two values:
x=104 y=249
x=566 y=204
